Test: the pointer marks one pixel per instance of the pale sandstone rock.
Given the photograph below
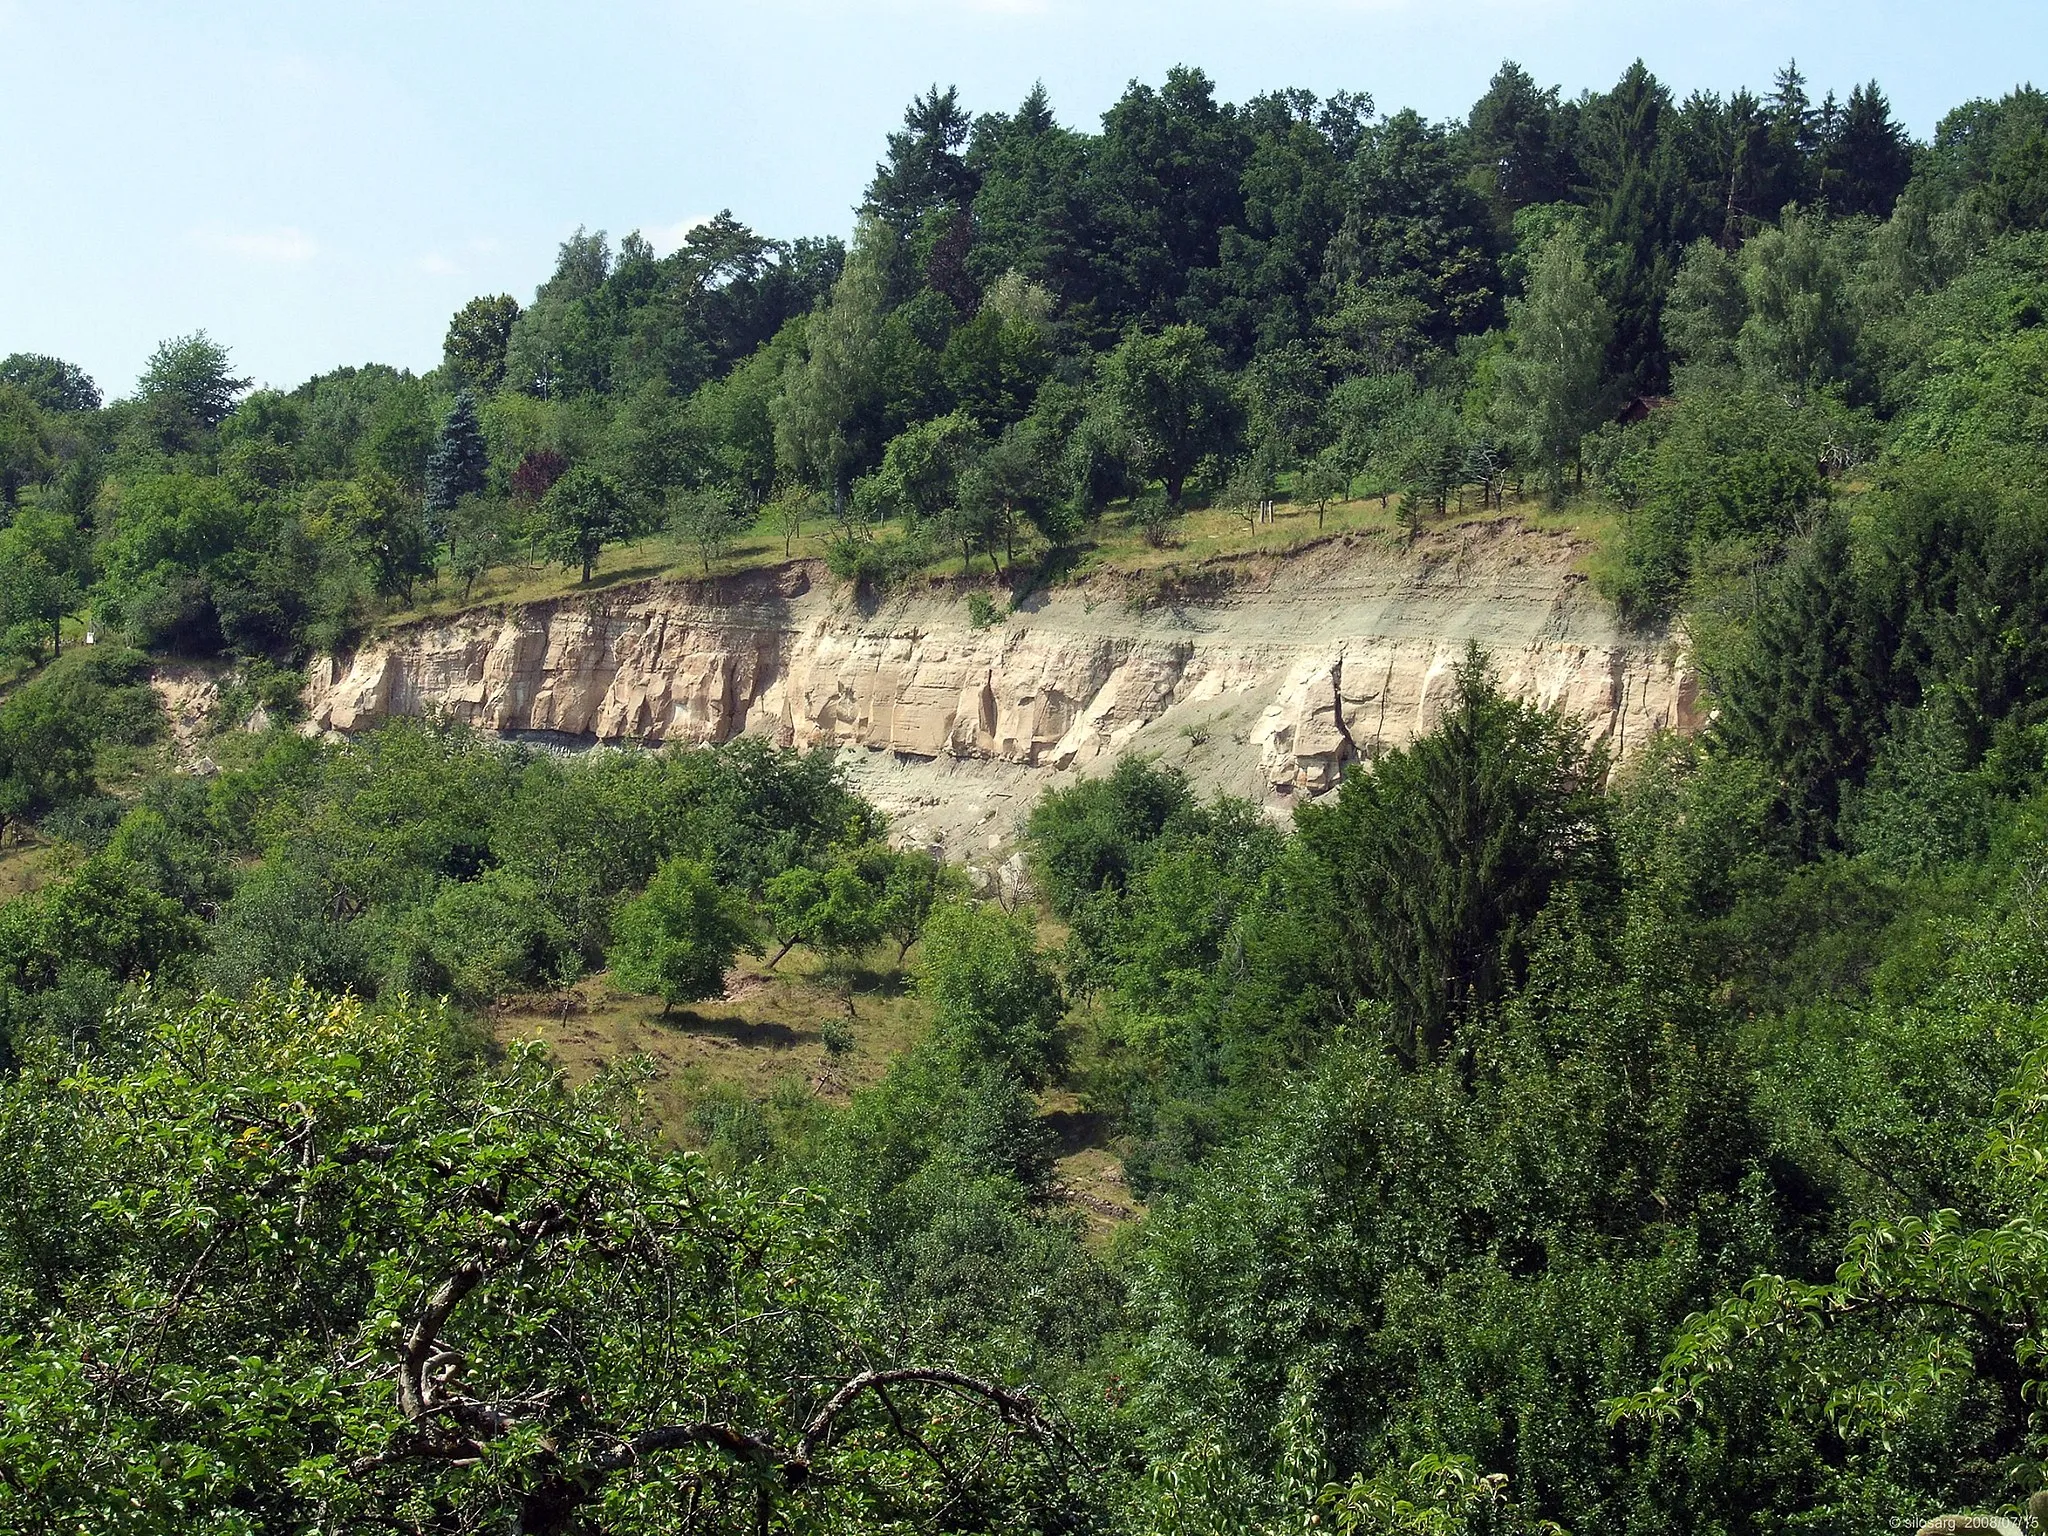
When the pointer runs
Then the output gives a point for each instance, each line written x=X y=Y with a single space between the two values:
x=1327 y=659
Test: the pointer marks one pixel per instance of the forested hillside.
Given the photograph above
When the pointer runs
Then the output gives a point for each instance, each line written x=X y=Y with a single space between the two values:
x=1513 y=1141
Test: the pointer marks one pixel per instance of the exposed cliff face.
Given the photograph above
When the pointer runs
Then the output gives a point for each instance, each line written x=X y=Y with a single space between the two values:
x=1264 y=679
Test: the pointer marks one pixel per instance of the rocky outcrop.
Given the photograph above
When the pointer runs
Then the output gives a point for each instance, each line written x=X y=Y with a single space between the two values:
x=1270 y=681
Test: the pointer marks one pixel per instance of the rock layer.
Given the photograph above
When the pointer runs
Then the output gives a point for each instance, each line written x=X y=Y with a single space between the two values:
x=1264 y=678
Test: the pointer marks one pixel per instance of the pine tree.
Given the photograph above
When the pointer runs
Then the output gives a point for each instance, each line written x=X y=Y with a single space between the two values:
x=1517 y=144
x=1438 y=861
x=457 y=465
x=1807 y=696
x=1866 y=160
x=1632 y=171
x=1794 y=138
x=925 y=171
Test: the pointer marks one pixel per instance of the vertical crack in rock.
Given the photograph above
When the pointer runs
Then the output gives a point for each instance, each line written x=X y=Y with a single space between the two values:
x=1379 y=732
x=1347 y=750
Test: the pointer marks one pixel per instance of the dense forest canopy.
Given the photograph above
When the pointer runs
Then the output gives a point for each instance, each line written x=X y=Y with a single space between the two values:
x=1527 y=1141
x=1037 y=323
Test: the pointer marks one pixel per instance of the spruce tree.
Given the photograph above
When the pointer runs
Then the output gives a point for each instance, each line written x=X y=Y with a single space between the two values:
x=457 y=465
x=1435 y=864
x=1867 y=160
x=1807 y=696
x=1794 y=138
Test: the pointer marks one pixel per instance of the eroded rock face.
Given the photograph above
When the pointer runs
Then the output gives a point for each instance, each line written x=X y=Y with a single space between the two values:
x=1300 y=667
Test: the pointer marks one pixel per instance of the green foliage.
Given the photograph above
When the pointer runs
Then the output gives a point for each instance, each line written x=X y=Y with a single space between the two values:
x=1088 y=839
x=52 y=383
x=477 y=339
x=52 y=728
x=484 y=938
x=1439 y=1251
x=260 y=1217
x=1453 y=1103
x=187 y=389
x=1719 y=483
x=43 y=567
x=1439 y=861
x=914 y=885
x=27 y=453
x=1924 y=1342
x=480 y=536
x=677 y=938
x=583 y=512
x=707 y=517
x=1550 y=385
x=1807 y=695
x=993 y=997
x=1413 y=228
x=1036 y=322
x=1324 y=481
x=457 y=467
x=1983 y=402
x=1172 y=402
x=836 y=910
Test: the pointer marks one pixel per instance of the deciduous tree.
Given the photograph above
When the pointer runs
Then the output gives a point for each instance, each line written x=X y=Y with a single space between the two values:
x=708 y=517
x=1169 y=394
x=582 y=513
x=1550 y=386
x=190 y=378
x=478 y=336
x=679 y=937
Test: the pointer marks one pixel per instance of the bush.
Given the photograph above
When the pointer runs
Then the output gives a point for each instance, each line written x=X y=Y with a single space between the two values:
x=875 y=565
x=52 y=728
x=678 y=938
x=481 y=939
x=1090 y=838
x=995 y=1000
x=260 y=683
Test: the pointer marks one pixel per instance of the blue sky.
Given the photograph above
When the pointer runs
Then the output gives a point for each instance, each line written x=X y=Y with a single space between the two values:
x=319 y=184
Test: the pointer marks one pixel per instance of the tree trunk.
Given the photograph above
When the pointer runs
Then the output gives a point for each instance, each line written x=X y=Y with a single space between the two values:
x=780 y=953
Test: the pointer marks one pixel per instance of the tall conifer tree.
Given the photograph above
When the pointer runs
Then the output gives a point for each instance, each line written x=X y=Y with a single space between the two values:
x=458 y=465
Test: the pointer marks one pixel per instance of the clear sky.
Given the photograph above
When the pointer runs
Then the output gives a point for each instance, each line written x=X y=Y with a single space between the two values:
x=324 y=183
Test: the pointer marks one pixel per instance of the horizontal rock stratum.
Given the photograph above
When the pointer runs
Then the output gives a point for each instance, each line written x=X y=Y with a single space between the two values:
x=1265 y=677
